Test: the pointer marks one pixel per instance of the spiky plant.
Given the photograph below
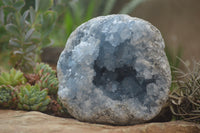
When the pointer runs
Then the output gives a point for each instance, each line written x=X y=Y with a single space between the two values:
x=8 y=97
x=185 y=99
x=48 y=78
x=32 y=98
x=49 y=82
x=63 y=109
x=13 y=78
x=42 y=68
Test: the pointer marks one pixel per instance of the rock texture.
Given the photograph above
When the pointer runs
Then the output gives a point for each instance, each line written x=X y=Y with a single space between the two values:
x=36 y=122
x=114 y=70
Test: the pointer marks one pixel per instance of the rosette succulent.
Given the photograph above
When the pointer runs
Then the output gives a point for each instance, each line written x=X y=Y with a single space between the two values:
x=13 y=78
x=49 y=82
x=48 y=78
x=32 y=98
x=42 y=68
x=8 y=97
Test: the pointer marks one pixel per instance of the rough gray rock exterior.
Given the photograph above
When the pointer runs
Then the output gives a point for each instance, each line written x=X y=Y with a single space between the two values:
x=114 y=70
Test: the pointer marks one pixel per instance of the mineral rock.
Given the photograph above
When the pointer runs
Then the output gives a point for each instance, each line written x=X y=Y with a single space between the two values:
x=114 y=70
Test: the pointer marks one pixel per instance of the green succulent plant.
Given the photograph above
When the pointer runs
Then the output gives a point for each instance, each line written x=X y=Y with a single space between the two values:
x=32 y=98
x=48 y=78
x=42 y=68
x=8 y=97
x=49 y=82
x=63 y=109
x=13 y=78
x=25 y=30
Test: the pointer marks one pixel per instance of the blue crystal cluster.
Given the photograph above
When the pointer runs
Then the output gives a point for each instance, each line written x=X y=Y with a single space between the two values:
x=114 y=70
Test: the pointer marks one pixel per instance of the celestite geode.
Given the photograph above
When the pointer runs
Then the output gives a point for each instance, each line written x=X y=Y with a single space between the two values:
x=114 y=70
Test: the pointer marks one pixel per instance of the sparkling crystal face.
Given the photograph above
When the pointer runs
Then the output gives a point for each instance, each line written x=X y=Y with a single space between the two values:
x=122 y=81
x=119 y=84
x=114 y=70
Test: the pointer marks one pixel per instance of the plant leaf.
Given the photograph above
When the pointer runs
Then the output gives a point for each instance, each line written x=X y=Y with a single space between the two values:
x=29 y=33
x=14 y=43
x=130 y=6
x=1 y=16
x=109 y=6
x=46 y=42
x=68 y=23
x=18 y=52
x=19 y=4
x=31 y=48
x=32 y=15
x=7 y=2
x=43 y=5
x=25 y=14
x=90 y=10
x=9 y=17
x=77 y=10
x=12 y=29
x=48 y=22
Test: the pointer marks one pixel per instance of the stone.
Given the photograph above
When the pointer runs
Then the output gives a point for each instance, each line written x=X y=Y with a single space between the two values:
x=114 y=70
x=37 y=122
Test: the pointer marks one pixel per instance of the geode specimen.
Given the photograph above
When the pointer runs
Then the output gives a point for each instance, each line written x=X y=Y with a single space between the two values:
x=114 y=70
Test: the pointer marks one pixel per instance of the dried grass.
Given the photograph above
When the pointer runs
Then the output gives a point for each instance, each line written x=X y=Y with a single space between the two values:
x=185 y=98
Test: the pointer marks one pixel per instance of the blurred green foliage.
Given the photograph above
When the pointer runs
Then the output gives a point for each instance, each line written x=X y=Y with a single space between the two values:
x=13 y=78
x=47 y=77
x=25 y=25
x=174 y=56
x=26 y=32
x=72 y=13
